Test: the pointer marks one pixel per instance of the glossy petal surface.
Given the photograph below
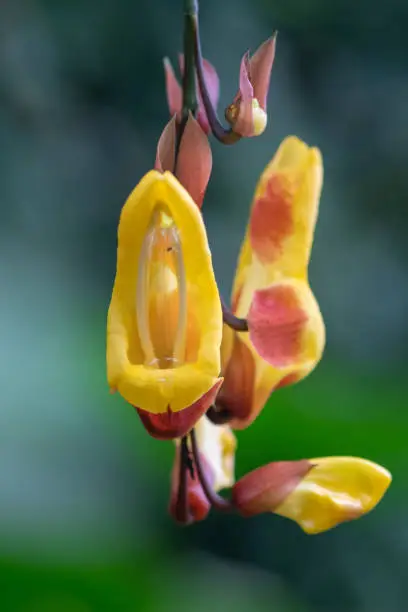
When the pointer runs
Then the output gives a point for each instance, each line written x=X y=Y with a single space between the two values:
x=336 y=489
x=153 y=389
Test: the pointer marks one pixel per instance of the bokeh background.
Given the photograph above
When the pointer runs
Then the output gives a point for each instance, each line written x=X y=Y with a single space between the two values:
x=83 y=489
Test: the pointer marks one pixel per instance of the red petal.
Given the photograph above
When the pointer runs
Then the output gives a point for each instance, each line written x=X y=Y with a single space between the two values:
x=271 y=219
x=244 y=124
x=265 y=488
x=260 y=67
x=170 y=425
x=173 y=90
x=236 y=395
x=166 y=147
x=246 y=92
x=276 y=322
x=194 y=161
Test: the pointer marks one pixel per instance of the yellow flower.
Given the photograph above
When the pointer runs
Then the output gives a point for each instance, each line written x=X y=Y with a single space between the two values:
x=165 y=320
x=271 y=290
x=316 y=493
x=335 y=490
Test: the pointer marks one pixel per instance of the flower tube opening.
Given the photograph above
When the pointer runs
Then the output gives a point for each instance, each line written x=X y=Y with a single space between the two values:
x=161 y=293
x=165 y=319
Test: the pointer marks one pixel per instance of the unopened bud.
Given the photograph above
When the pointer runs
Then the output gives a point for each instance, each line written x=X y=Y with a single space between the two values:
x=194 y=159
x=247 y=113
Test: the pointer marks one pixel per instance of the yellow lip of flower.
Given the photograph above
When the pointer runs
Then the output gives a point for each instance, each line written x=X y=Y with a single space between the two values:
x=165 y=320
x=335 y=490
x=286 y=330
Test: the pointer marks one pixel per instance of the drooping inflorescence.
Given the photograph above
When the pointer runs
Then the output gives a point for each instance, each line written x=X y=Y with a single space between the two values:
x=194 y=367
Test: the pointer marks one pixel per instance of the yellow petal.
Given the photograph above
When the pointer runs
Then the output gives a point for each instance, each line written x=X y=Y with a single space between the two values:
x=282 y=221
x=336 y=489
x=158 y=389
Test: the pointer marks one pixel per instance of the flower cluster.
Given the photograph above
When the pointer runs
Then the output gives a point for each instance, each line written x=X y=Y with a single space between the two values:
x=195 y=367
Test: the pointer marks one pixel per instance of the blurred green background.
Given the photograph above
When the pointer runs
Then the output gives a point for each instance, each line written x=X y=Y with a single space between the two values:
x=83 y=489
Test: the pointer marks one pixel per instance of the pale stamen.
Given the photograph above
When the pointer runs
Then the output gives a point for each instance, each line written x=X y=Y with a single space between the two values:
x=161 y=293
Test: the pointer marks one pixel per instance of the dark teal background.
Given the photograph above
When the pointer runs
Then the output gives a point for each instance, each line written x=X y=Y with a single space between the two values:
x=83 y=489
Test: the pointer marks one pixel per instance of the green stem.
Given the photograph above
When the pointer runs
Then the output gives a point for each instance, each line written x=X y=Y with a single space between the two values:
x=190 y=102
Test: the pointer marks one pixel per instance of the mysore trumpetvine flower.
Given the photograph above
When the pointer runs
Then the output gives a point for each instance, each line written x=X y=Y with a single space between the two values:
x=164 y=320
x=271 y=291
x=195 y=368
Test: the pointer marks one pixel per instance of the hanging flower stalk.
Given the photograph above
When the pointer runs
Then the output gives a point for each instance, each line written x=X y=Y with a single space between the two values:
x=194 y=367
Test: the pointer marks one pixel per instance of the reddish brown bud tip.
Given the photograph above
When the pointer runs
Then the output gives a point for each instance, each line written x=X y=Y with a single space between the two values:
x=265 y=488
x=260 y=67
x=247 y=113
x=170 y=425
x=194 y=160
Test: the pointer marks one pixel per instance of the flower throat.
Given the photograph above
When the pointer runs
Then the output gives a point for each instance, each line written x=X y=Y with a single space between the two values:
x=161 y=294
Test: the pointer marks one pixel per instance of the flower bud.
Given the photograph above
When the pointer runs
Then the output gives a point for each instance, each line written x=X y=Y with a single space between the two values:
x=247 y=113
x=316 y=493
x=194 y=159
x=265 y=488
